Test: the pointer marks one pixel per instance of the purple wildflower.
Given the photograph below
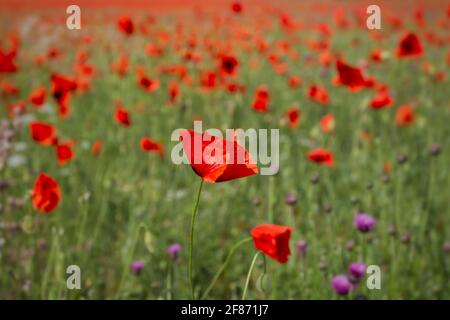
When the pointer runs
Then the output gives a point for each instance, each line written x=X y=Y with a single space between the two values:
x=173 y=250
x=341 y=284
x=357 y=269
x=137 y=266
x=364 y=222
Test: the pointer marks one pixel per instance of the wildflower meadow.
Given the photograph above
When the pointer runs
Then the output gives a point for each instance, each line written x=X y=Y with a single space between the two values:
x=224 y=149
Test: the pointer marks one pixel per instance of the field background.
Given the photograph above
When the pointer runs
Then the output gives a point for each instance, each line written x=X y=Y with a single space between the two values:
x=127 y=205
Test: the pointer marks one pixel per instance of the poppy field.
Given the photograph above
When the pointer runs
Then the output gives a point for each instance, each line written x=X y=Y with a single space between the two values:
x=94 y=206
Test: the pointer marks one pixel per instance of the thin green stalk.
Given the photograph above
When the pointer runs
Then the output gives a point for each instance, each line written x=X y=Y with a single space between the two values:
x=191 y=239
x=247 y=281
x=223 y=267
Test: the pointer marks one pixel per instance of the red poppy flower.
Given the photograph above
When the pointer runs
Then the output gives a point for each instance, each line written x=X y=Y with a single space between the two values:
x=404 y=116
x=261 y=100
x=8 y=88
x=215 y=159
x=122 y=116
x=349 y=76
x=37 y=96
x=208 y=79
x=321 y=156
x=327 y=123
x=173 y=91
x=319 y=94
x=376 y=55
x=294 y=81
x=42 y=133
x=228 y=64
x=46 y=194
x=293 y=116
x=7 y=64
x=61 y=89
x=236 y=7
x=381 y=100
x=96 y=148
x=121 y=66
x=64 y=152
x=273 y=240
x=126 y=25
x=148 y=145
x=147 y=83
x=409 y=46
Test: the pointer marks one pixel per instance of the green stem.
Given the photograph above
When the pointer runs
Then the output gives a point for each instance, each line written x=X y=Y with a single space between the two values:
x=247 y=281
x=223 y=267
x=191 y=238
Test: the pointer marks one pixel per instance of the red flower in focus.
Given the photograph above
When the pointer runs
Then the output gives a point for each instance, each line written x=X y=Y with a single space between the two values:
x=37 y=96
x=46 y=194
x=122 y=116
x=125 y=25
x=261 y=100
x=349 y=76
x=7 y=64
x=64 y=152
x=327 y=123
x=215 y=159
x=42 y=133
x=293 y=116
x=148 y=145
x=96 y=148
x=321 y=156
x=236 y=7
x=381 y=100
x=409 y=46
x=319 y=94
x=404 y=116
x=273 y=240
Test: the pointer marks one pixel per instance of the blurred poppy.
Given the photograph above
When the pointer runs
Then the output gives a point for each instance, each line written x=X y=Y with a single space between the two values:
x=37 y=96
x=293 y=116
x=381 y=100
x=96 y=148
x=46 y=194
x=409 y=46
x=327 y=123
x=42 y=133
x=173 y=91
x=149 y=145
x=125 y=24
x=404 y=116
x=228 y=64
x=7 y=63
x=122 y=116
x=9 y=89
x=318 y=94
x=321 y=156
x=64 y=152
x=261 y=99
x=236 y=7
x=273 y=240
x=62 y=86
x=349 y=76
x=215 y=159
